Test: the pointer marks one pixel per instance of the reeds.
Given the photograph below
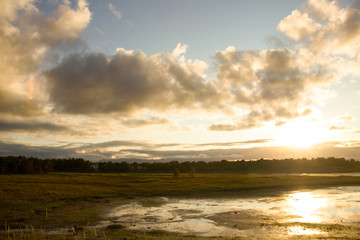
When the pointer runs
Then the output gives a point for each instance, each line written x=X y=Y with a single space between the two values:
x=30 y=233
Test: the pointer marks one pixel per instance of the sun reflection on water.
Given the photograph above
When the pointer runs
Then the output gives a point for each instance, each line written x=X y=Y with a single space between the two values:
x=297 y=230
x=306 y=206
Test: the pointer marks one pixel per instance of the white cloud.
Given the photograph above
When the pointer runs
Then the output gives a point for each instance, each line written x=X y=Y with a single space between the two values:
x=323 y=10
x=270 y=85
x=298 y=25
x=114 y=11
x=327 y=28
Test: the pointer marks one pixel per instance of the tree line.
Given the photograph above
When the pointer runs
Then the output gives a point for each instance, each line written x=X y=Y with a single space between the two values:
x=31 y=165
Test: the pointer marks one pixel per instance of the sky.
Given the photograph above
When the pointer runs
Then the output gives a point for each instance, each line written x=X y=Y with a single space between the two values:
x=201 y=80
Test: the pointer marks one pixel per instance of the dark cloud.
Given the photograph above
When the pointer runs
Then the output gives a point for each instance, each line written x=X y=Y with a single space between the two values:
x=350 y=149
x=31 y=126
x=116 y=143
x=16 y=149
x=226 y=144
x=17 y=104
x=151 y=146
x=128 y=82
x=331 y=149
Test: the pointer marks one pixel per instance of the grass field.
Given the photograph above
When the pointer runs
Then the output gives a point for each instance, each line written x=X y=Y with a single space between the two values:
x=59 y=200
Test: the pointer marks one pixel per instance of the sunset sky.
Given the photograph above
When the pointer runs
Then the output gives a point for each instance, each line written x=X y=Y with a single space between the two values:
x=180 y=80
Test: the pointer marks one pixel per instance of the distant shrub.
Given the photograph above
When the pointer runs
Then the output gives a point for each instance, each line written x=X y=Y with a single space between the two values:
x=176 y=173
x=192 y=172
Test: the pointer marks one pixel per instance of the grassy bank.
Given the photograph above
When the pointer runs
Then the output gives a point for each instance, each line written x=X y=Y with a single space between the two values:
x=65 y=200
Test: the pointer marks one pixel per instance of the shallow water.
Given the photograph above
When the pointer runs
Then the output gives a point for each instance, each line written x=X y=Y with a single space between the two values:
x=314 y=212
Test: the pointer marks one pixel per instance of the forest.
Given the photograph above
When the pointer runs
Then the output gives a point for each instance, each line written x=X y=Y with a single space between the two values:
x=32 y=165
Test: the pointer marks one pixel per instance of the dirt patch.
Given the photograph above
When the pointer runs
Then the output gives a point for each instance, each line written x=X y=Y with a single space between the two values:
x=153 y=202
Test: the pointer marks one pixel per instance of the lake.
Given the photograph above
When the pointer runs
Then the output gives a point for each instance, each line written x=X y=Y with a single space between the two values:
x=330 y=212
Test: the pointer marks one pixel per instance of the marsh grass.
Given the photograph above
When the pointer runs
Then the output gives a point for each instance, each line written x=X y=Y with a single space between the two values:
x=93 y=234
x=62 y=200
x=29 y=233
x=330 y=231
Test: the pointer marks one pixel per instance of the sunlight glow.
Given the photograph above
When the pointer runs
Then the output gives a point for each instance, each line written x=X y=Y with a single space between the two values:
x=305 y=206
x=302 y=231
x=301 y=134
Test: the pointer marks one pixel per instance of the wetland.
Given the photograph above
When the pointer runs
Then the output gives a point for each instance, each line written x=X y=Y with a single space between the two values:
x=159 y=206
x=329 y=212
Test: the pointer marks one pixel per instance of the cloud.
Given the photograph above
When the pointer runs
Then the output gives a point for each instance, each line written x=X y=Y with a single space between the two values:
x=145 y=122
x=269 y=85
x=16 y=149
x=115 y=143
x=322 y=10
x=31 y=126
x=281 y=84
x=110 y=148
x=345 y=118
x=129 y=82
x=28 y=40
x=64 y=25
x=17 y=104
x=139 y=151
x=327 y=28
x=298 y=25
x=114 y=11
x=338 y=128
x=226 y=144
x=351 y=150
x=98 y=30
x=263 y=86
x=129 y=22
x=125 y=146
x=226 y=127
x=251 y=88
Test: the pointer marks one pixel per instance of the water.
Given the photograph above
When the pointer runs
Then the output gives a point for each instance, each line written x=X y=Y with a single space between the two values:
x=322 y=212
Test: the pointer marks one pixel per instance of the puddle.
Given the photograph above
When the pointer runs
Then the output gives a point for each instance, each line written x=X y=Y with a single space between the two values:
x=315 y=212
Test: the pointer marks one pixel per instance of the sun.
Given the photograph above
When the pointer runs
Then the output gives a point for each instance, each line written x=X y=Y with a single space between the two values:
x=301 y=134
